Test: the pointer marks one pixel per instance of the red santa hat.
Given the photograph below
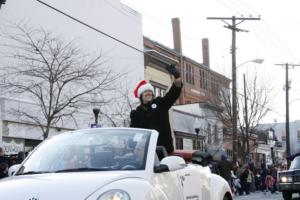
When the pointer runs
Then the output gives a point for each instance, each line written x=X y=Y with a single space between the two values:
x=142 y=87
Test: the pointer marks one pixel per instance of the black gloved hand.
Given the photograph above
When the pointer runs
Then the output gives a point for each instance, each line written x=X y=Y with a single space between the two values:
x=172 y=69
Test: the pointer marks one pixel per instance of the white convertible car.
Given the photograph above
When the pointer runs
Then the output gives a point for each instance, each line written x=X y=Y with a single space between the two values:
x=109 y=164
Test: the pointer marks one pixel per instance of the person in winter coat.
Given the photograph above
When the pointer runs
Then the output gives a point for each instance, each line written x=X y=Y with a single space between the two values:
x=2 y=157
x=270 y=184
x=257 y=180
x=235 y=184
x=3 y=170
x=273 y=173
x=153 y=113
x=246 y=180
x=225 y=168
x=263 y=175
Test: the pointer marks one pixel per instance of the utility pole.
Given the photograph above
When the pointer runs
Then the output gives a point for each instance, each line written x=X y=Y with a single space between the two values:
x=234 y=29
x=246 y=115
x=287 y=108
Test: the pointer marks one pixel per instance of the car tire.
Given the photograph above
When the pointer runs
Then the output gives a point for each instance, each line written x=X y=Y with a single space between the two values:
x=287 y=195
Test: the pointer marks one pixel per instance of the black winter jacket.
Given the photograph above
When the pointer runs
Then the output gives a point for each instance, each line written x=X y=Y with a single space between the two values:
x=155 y=115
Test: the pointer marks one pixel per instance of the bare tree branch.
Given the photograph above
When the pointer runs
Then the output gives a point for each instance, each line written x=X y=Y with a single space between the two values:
x=54 y=74
x=258 y=101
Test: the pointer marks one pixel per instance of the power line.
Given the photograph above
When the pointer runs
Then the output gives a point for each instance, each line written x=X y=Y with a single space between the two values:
x=119 y=10
x=239 y=7
x=168 y=27
x=227 y=6
x=105 y=34
x=262 y=106
x=275 y=35
x=269 y=34
x=89 y=26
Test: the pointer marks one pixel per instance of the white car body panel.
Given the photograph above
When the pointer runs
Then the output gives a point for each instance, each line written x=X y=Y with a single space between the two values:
x=169 y=184
x=192 y=182
x=219 y=187
x=196 y=182
x=61 y=185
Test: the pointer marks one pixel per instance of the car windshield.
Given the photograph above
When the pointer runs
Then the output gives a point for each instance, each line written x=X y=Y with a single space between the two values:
x=90 y=150
x=296 y=163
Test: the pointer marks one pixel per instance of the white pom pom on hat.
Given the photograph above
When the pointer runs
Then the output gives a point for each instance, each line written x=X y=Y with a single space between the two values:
x=142 y=87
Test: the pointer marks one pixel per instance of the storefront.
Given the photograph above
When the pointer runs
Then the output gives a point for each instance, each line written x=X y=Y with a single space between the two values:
x=189 y=141
x=13 y=146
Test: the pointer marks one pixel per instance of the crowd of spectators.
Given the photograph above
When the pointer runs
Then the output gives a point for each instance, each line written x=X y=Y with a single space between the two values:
x=8 y=160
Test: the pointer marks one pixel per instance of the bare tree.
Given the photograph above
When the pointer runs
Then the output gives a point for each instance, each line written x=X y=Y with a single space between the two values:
x=226 y=104
x=119 y=113
x=54 y=74
x=258 y=101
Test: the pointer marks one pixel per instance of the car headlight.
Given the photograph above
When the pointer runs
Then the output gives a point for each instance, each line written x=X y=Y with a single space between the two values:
x=285 y=179
x=114 y=195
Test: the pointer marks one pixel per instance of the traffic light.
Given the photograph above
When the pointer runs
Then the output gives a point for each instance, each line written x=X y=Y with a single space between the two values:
x=2 y=2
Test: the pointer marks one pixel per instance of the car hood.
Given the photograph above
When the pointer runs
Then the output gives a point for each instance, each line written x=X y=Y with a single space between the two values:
x=75 y=185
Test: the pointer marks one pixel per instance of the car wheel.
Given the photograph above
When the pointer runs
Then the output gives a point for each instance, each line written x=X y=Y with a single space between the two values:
x=287 y=195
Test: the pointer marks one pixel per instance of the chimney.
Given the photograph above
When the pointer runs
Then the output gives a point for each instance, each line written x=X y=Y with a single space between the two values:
x=176 y=35
x=205 y=51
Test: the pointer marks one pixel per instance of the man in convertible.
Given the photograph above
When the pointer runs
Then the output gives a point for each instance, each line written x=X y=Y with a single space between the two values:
x=153 y=113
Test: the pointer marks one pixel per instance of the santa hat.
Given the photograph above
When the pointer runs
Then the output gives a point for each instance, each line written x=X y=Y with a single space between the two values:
x=142 y=87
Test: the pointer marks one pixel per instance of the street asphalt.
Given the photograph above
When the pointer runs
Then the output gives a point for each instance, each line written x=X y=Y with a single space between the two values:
x=262 y=196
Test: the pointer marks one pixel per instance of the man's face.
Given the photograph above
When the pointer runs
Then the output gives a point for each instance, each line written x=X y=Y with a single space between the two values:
x=147 y=96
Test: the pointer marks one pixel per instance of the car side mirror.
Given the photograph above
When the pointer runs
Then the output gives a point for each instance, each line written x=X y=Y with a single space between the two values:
x=161 y=168
x=13 y=169
x=201 y=158
x=173 y=162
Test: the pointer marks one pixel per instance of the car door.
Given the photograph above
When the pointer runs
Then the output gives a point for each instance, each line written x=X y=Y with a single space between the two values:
x=169 y=184
x=195 y=182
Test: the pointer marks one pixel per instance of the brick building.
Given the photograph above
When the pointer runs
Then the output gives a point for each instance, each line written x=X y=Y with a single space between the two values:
x=201 y=84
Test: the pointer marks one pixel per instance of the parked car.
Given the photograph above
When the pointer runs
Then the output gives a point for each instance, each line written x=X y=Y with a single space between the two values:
x=289 y=181
x=108 y=164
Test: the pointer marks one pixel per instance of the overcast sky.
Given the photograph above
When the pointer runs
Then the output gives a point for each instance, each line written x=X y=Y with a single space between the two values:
x=275 y=38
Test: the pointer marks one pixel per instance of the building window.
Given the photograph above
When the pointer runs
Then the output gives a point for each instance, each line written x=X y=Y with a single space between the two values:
x=216 y=138
x=218 y=88
x=198 y=146
x=209 y=134
x=214 y=87
x=229 y=153
x=158 y=91
x=189 y=74
x=298 y=135
x=203 y=79
x=179 y=143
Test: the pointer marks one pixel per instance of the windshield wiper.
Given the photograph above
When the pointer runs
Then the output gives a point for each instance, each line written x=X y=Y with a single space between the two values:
x=84 y=169
x=33 y=172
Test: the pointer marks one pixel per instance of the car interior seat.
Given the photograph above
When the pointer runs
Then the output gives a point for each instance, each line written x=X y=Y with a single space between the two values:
x=101 y=159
